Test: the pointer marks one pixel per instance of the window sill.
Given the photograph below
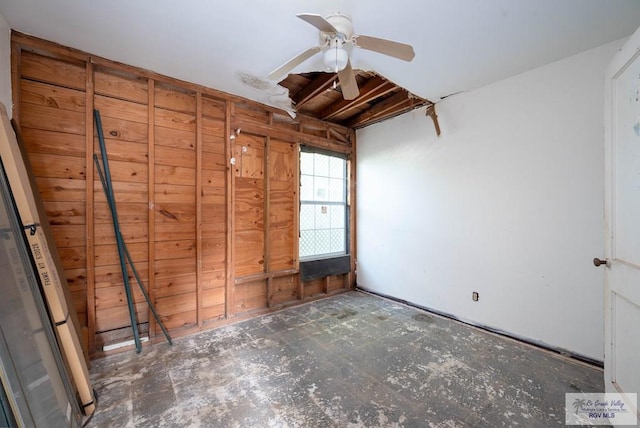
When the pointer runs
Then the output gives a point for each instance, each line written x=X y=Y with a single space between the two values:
x=326 y=266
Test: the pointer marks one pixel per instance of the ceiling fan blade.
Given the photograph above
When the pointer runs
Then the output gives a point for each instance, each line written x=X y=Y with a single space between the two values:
x=348 y=83
x=293 y=63
x=317 y=21
x=395 y=49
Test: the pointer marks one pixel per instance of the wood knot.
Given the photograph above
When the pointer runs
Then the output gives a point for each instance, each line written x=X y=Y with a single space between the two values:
x=168 y=214
x=52 y=103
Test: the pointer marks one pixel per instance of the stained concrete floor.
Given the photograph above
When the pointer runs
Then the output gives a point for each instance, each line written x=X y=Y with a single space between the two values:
x=352 y=360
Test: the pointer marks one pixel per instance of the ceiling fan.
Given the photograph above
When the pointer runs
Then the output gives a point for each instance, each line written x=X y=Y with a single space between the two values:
x=335 y=31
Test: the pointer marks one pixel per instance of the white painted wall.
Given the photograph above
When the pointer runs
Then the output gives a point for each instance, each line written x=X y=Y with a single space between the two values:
x=5 y=64
x=508 y=202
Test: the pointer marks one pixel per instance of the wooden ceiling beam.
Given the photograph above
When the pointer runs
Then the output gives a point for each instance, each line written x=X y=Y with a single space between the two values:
x=389 y=106
x=407 y=106
x=372 y=89
x=379 y=99
x=335 y=134
x=314 y=88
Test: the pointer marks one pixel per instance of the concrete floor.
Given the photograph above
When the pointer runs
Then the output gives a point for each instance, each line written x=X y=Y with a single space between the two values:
x=353 y=360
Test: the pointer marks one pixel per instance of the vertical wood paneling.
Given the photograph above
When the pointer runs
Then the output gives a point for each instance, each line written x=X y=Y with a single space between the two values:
x=282 y=202
x=284 y=289
x=231 y=177
x=337 y=282
x=296 y=216
x=213 y=215
x=314 y=287
x=175 y=158
x=118 y=85
x=249 y=205
x=210 y=240
x=16 y=74
x=199 y=314
x=251 y=296
x=151 y=225
x=66 y=74
x=267 y=215
x=45 y=106
x=130 y=175
x=89 y=227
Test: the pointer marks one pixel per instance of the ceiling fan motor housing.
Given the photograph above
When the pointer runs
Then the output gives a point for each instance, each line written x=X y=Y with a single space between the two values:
x=342 y=23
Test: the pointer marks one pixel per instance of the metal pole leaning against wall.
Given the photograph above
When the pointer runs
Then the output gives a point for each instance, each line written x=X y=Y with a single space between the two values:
x=116 y=228
x=130 y=259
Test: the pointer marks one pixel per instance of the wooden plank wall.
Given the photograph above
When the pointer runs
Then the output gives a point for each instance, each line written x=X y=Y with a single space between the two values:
x=213 y=241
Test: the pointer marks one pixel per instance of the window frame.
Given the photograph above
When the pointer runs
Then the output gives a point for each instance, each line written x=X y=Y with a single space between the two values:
x=322 y=265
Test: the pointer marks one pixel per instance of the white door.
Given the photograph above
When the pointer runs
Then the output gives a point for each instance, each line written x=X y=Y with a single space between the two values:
x=622 y=220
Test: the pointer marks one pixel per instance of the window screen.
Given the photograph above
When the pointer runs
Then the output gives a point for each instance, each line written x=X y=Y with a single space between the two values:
x=323 y=204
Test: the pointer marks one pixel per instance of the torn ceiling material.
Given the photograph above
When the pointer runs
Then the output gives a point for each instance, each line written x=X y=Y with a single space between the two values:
x=319 y=95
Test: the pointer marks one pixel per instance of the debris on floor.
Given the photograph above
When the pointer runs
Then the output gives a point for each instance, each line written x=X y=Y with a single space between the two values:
x=352 y=360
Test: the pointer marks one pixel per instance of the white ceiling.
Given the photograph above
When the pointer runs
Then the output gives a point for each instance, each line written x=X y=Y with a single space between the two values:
x=459 y=44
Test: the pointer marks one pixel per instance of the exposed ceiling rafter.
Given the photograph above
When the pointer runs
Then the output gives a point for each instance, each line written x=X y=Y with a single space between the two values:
x=316 y=87
x=314 y=94
x=374 y=88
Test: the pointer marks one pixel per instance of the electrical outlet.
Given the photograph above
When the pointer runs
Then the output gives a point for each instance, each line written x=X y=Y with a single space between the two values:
x=475 y=296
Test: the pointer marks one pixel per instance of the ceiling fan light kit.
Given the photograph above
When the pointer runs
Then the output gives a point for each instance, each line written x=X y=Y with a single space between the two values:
x=335 y=31
x=335 y=56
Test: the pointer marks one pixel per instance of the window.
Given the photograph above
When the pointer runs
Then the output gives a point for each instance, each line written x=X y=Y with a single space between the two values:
x=323 y=204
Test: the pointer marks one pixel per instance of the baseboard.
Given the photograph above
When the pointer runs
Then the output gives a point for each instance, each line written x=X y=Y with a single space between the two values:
x=537 y=344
